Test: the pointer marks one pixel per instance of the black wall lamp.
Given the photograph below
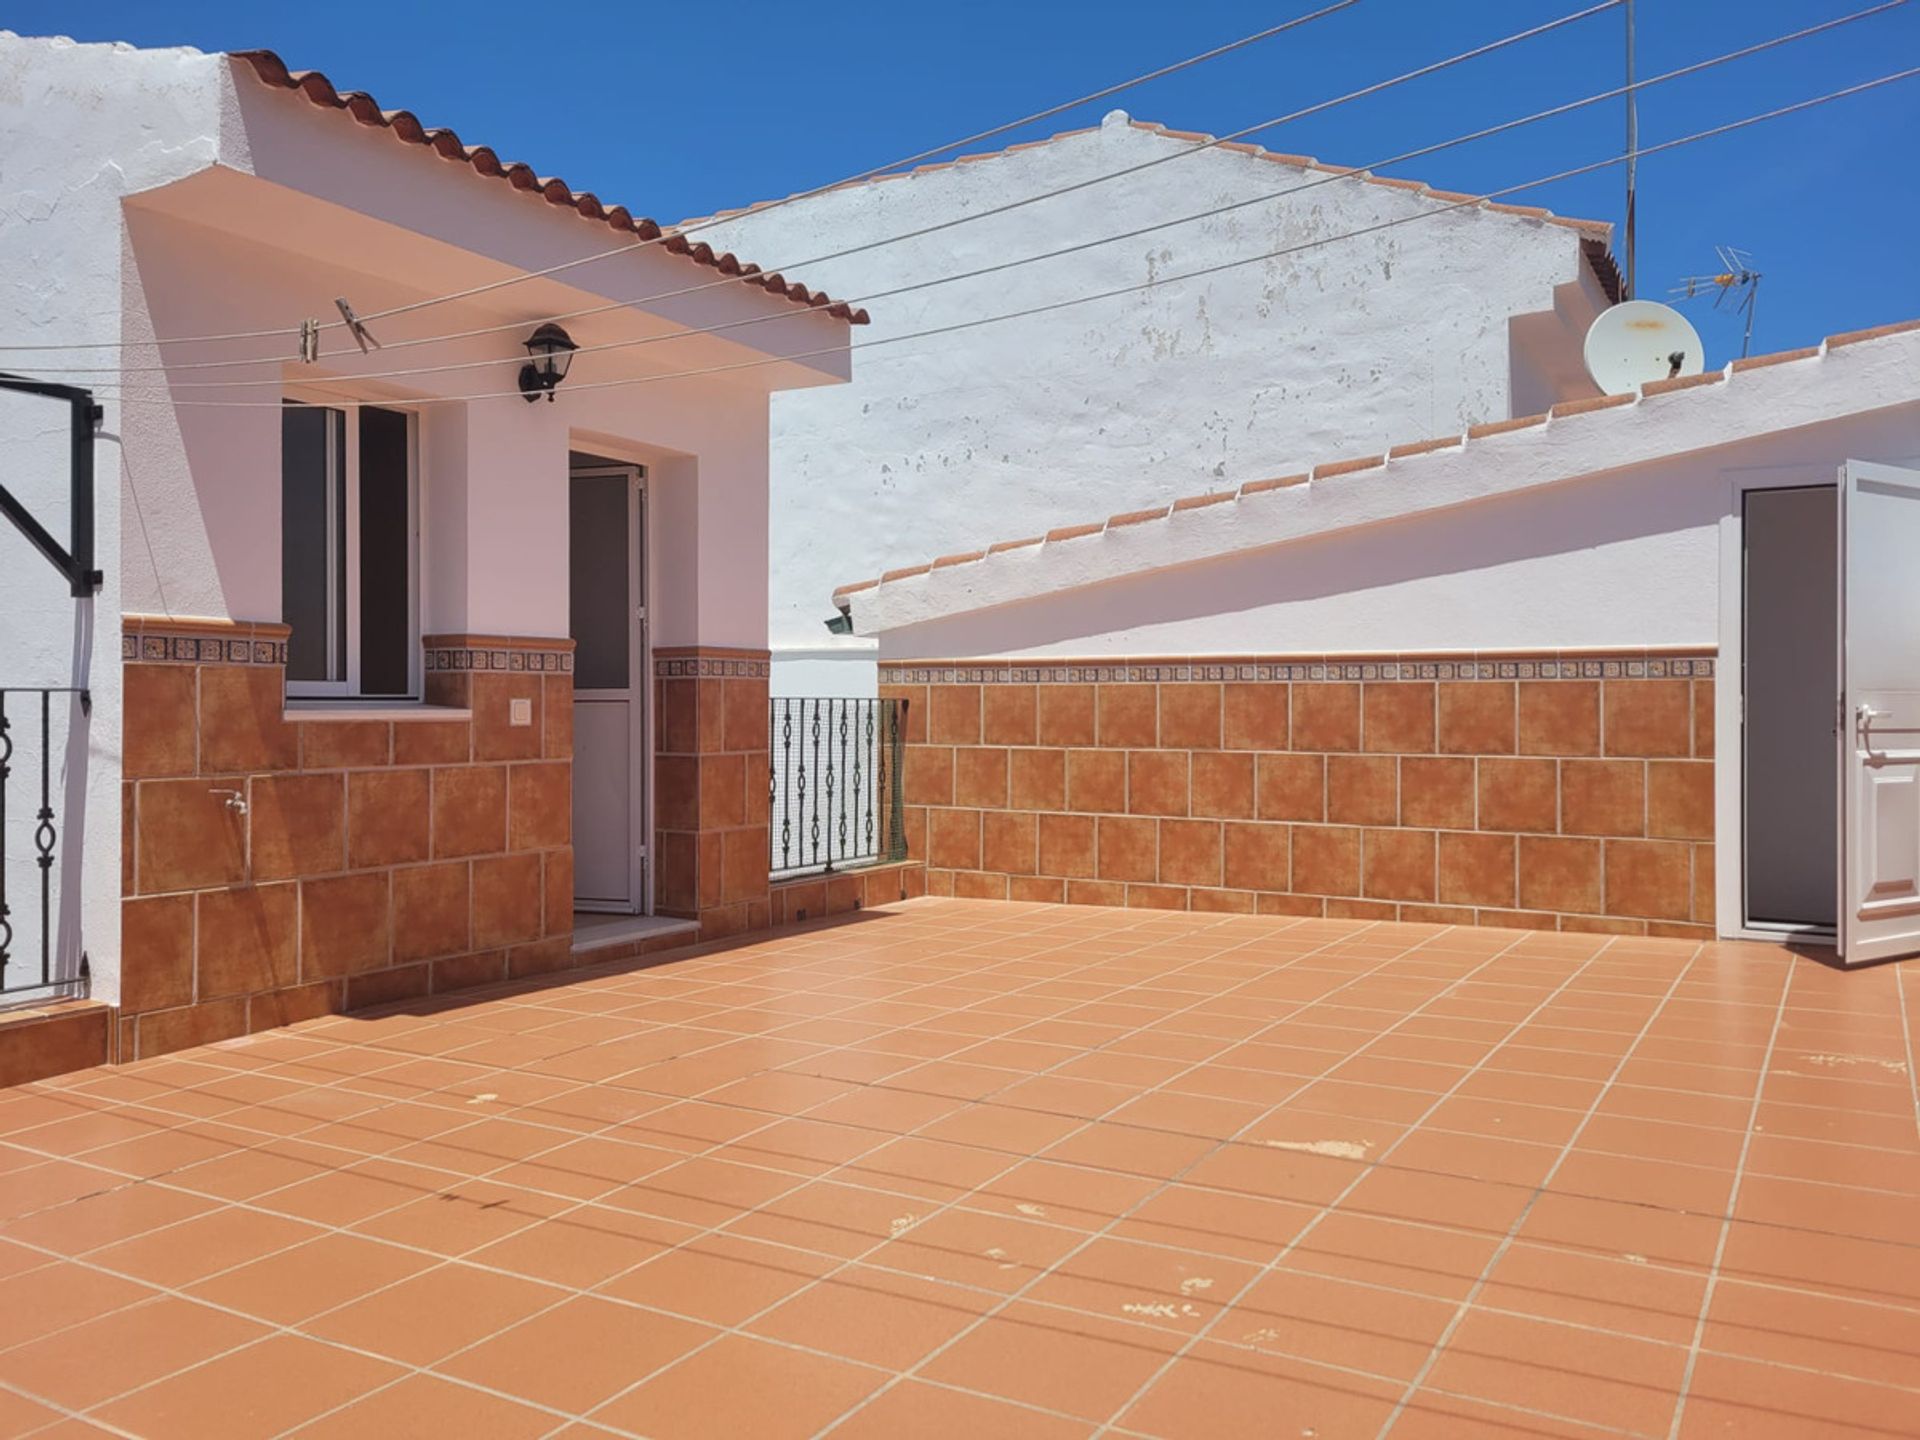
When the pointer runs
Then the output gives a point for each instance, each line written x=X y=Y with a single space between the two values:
x=551 y=349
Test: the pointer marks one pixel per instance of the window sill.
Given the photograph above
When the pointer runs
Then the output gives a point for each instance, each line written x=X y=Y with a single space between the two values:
x=373 y=710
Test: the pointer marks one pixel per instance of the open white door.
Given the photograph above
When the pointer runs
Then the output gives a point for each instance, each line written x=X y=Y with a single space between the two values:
x=1880 y=712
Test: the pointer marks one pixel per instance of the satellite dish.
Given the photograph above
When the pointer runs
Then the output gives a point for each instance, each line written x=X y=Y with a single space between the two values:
x=1638 y=341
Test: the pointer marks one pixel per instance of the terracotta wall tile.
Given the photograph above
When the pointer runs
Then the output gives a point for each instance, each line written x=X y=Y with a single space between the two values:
x=1128 y=847
x=744 y=726
x=1097 y=781
x=1362 y=789
x=463 y=972
x=1010 y=714
x=1291 y=787
x=979 y=885
x=1326 y=858
x=1266 y=904
x=1156 y=897
x=1603 y=797
x=1476 y=869
x=188 y=837
x=1223 y=784
x=58 y=1043
x=954 y=715
x=1096 y=892
x=1703 y=896
x=432 y=911
x=1478 y=717
x=1649 y=717
x=388 y=817
x=1232 y=902
x=1703 y=719
x=1397 y=717
x=159 y=706
x=743 y=865
x=345 y=924
x=1650 y=879
x=1326 y=717
x=1037 y=779
x=1254 y=717
x=1190 y=716
x=1157 y=782
x=953 y=839
x=540 y=805
x=1038 y=889
x=1190 y=852
x=341 y=744
x=929 y=775
x=1680 y=799
x=1067 y=715
x=128 y=834
x=162 y=1032
x=1398 y=864
x=913 y=718
x=708 y=862
x=677 y=716
x=432 y=742
x=556 y=717
x=710 y=716
x=723 y=789
x=1559 y=717
x=1067 y=846
x=1255 y=856
x=156 y=953
x=1362 y=910
x=676 y=793
x=507 y=900
x=249 y=940
x=296 y=825
x=1559 y=874
x=980 y=777
x=469 y=810
x=1437 y=791
x=1009 y=842
x=387 y=987
x=243 y=723
x=675 y=874
x=495 y=736
x=1518 y=795
x=1129 y=715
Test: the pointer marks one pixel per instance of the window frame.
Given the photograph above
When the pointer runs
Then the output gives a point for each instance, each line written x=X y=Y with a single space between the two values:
x=349 y=689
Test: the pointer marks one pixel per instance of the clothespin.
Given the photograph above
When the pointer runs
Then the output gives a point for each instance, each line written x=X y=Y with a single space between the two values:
x=309 y=341
x=362 y=336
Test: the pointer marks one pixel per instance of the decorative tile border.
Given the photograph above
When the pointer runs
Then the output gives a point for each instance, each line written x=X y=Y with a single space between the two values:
x=150 y=648
x=469 y=657
x=689 y=661
x=1492 y=666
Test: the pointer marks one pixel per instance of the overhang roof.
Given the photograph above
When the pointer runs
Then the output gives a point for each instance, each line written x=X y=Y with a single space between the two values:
x=1227 y=521
x=271 y=69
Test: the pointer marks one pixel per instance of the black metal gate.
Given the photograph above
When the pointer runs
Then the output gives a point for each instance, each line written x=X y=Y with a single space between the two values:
x=28 y=813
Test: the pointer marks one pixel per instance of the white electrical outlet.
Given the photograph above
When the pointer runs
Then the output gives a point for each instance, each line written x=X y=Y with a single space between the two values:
x=520 y=712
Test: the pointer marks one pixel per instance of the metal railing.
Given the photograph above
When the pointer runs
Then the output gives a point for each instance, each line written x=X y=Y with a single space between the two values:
x=29 y=841
x=834 y=787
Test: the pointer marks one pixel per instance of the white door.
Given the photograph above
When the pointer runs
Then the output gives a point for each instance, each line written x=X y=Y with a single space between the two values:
x=1880 y=712
x=607 y=600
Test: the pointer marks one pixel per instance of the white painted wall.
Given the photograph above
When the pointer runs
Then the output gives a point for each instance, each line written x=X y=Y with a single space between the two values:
x=1622 y=558
x=945 y=445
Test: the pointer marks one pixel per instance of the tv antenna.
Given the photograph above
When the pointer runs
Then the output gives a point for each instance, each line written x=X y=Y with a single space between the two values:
x=1736 y=284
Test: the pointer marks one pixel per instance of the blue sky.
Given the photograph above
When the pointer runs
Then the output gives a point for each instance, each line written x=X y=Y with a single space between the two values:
x=676 y=110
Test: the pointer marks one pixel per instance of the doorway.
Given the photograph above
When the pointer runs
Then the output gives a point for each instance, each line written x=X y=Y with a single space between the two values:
x=612 y=737
x=1789 y=648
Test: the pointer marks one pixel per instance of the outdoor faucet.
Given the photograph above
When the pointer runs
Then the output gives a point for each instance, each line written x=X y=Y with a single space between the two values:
x=235 y=801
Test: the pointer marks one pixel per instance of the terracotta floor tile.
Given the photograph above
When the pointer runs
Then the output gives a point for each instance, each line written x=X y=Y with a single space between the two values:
x=934 y=1412
x=722 y=1279
x=425 y=1405
x=578 y=1355
x=432 y=1314
x=582 y=1247
x=1084 y=1366
x=1630 y=1296
x=21 y=1416
x=1227 y=1393
x=259 y=1391
x=1366 y=1327
x=742 y=1386
x=873 y=1316
x=38 y=1302
x=1742 y=1397
x=119 y=1214
x=289 y=1286
x=1216 y=1222
x=462 y=1217
x=121 y=1351
x=218 y=1240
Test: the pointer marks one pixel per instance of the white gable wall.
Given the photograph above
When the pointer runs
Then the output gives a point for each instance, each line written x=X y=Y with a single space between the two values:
x=947 y=444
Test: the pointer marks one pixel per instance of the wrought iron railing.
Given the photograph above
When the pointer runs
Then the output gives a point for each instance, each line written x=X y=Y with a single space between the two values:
x=834 y=787
x=30 y=835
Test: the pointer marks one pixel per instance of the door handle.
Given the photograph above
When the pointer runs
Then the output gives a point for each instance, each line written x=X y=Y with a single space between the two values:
x=1863 y=718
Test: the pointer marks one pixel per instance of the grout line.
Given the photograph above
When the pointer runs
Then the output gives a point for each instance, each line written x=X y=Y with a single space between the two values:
x=1727 y=1223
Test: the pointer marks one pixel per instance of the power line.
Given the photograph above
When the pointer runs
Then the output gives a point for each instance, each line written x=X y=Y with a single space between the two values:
x=1004 y=265
x=290 y=332
x=1052 y=306
x=936 y=227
